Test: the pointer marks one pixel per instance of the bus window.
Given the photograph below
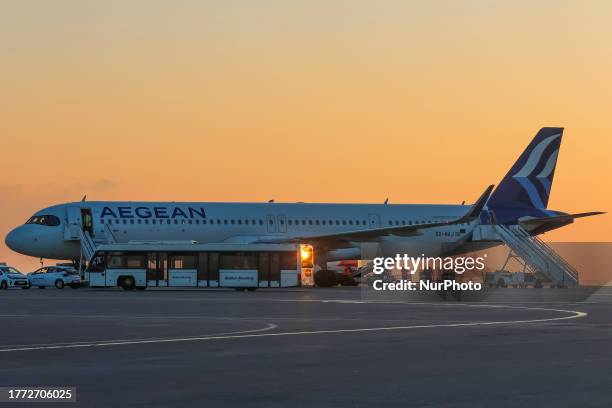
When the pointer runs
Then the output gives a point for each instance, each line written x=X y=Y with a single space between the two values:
x=135 y=261
x=97 y=264
x=289 y=261
x=238 y=260
x=152 y=266
x=115 y=260
x=183 y=261
x=264 y=267
x=213 y=266
x=275 y=266
x=203 y=266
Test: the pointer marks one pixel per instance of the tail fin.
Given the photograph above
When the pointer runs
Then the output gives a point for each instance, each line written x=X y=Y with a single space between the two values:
x=527 y=184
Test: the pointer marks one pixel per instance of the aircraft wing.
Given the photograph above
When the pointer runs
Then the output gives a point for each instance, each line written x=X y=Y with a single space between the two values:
x=369 y=235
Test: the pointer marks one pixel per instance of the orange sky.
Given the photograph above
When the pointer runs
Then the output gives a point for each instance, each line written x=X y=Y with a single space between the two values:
x=334 y=101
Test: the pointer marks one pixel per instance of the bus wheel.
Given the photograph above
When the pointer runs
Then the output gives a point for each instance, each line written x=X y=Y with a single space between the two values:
x=127 y=283
x=59 y=284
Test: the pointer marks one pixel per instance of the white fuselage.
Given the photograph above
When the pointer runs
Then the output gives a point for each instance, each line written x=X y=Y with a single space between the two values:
x=243 y=223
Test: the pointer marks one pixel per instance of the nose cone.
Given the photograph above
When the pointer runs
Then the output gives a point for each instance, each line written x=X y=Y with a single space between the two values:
x=15 y=240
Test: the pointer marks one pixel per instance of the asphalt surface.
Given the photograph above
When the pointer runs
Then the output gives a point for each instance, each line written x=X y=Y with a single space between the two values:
x=308 y=347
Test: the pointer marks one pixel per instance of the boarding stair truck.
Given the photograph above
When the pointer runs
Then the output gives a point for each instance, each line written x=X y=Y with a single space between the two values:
x=541 y=264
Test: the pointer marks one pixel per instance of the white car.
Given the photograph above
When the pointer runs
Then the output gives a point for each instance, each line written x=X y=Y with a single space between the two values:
x=58 y=276
x=12 y=278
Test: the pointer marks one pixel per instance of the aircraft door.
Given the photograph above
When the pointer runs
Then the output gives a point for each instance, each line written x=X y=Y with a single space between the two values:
x=281 y=222
x=73 y=223
x=374 y=220
x=271 y=223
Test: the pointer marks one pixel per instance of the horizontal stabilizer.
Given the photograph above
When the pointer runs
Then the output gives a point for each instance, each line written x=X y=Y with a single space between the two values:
x=566 y=218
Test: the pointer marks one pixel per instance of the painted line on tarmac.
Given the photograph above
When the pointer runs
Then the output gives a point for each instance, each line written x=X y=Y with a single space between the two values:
x=269 y=326
x=573 y=315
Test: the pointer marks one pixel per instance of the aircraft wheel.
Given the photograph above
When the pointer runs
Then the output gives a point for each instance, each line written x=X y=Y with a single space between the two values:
x=325 y=278
x=59 y=284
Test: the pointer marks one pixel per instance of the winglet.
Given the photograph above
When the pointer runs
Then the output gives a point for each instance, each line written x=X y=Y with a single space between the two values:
x=477 y=207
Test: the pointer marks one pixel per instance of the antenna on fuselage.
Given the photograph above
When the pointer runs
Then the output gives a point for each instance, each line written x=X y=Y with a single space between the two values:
x=84 y=198
x=271 y=201
x=386 y=200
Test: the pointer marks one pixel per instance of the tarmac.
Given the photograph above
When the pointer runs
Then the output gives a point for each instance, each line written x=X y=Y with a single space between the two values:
x=309 y=347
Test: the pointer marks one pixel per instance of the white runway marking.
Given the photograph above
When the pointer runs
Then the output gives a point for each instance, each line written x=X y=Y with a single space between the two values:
x=573 y=315
x=269 y=326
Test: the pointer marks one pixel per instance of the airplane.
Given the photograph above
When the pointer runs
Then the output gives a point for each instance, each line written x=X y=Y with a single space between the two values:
x=336 y=231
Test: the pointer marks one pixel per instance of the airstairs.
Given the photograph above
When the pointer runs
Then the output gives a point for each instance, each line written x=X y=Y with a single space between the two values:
x=538 y=256
x=89 y=244
x=364 y=270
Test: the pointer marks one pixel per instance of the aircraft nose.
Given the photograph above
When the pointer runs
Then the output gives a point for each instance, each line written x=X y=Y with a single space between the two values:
x=15 y=240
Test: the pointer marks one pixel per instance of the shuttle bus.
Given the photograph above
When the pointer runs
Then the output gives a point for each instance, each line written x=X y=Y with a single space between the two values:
x=190 y=264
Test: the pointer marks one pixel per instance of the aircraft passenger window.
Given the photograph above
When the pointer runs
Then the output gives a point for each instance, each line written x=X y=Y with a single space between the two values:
x=317 y=222
x=309 y=222
x=146 y=221
x=225 y=222
x=260 y=222
x=125 y=221
x=168 y=222
x=323 y=222
x=282 y=222
x=289 y=222
x=110 y=221
x=343 y=222
x=232 y=221
x=303 y=222
x=218 y=221
x=203 y=222
x=253 y=222
x=153 y=221
x=350 y=222
x=270 y=222
x=196 y=221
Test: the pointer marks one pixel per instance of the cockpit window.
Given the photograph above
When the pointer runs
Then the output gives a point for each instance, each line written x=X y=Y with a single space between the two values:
x=50 y=220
